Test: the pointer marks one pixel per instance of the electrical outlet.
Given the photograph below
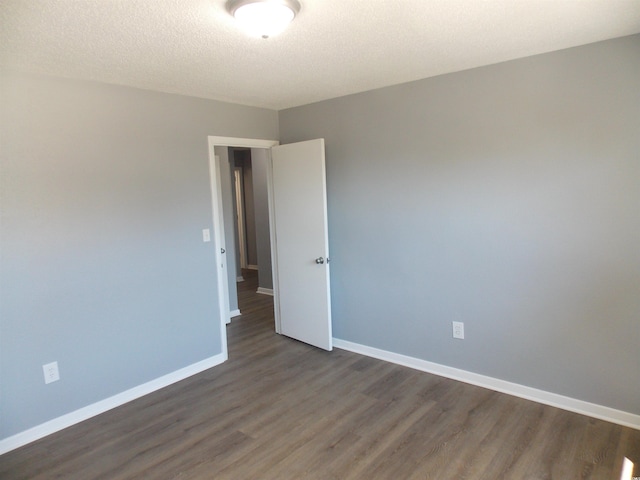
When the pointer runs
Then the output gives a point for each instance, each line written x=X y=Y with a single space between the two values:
x=206 y=235
x=458 y=330
x=51 y=373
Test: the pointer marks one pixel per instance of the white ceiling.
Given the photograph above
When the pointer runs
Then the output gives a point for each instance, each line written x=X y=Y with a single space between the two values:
x=333 y=47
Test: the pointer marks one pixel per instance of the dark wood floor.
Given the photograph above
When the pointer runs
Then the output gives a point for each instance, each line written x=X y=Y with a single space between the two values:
x=279 y=409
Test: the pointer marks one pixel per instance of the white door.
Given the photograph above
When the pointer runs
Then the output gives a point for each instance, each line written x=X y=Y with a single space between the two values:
x=218 y=237
x=302 y=245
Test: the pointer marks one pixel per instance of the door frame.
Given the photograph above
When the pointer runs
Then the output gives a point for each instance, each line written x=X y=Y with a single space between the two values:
x=238 y=177
x=218 y=223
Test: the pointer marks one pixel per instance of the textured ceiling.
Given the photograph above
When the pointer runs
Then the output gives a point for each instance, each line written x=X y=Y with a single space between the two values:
x=333 y=47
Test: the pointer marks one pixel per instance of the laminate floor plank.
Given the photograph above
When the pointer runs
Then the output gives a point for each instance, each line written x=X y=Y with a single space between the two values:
x=280 y=409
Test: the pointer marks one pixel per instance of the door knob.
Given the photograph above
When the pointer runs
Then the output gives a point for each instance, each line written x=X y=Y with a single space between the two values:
x=319 y=260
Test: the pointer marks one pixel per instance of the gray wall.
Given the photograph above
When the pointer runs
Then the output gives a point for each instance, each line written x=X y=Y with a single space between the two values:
x=506 y=197
x=261 y=202
x=104 y=193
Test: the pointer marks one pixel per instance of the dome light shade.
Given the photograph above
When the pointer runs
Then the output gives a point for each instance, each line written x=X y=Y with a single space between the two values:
x=264 y=18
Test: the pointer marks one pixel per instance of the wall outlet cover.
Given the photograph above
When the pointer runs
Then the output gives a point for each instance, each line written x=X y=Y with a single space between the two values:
x=51 y=372
x=458 y=330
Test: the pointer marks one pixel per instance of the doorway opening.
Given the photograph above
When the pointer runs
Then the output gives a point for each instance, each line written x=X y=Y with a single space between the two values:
x=225 y=216
x=296 y=207
x=251 y=222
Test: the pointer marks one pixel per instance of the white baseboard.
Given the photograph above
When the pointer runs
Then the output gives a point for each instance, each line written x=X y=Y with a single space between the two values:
x=234 y=313
x=64 y=421
x=265 y=291
x=252 y=267
x=239 y=279
x=560 y=401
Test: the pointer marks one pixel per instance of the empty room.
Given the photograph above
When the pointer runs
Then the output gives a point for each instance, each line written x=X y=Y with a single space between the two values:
x=304 y=239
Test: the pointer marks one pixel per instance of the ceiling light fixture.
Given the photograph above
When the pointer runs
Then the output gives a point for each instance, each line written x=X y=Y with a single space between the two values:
x=263 y=18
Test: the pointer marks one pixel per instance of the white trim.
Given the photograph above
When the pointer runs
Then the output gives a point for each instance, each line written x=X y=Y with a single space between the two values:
x=240 y=279
x=252 y=267
x=265 y=291
x=242 y=142
x=234 y=313
x=82 y=414
x=560 y=401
